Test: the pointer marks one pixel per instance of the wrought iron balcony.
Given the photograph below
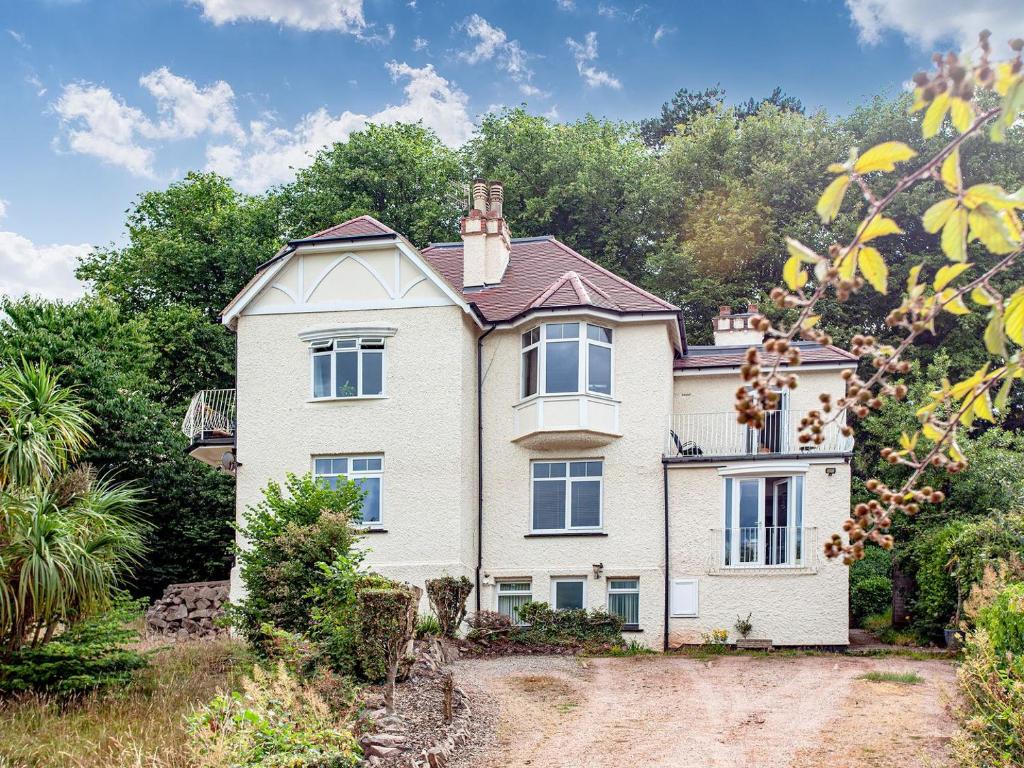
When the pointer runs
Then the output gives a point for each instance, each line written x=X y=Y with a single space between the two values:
x=209 y=425
x=702 y=436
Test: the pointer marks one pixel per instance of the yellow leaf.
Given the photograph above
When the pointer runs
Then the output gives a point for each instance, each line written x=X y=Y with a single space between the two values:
x=832 y=198
x=993 y=195
x=846 y=263
x=950 y=172
x=1004 y=391
x=936 y=216
x=931 y=432
x=995 y=335
x=1015 y=317
x=955 y=453
x=883 y=157
x=919 y=102
x=879 y=226
x=983 y=407
x=954 y=236
x=991 y=229
x=795 y=277
x=1005 y=78
x=837 y=168
x=948 y=274
x=952 y=303
x=802 y=252
x=874 y=269
x=961 y=113
x=912 y=277
x=810 y=322
x=908 y=443
x=980 y=295
x=935 y=115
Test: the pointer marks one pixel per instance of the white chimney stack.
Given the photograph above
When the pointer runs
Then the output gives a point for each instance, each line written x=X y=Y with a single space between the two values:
x=737 y=329
x=486 y=240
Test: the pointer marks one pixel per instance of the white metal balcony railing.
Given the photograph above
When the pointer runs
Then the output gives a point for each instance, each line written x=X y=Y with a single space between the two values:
x=765 y=547
x=211 y=414
x=693 y=435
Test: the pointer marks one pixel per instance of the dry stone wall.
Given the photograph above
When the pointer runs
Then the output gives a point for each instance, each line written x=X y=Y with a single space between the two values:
x=188 y=611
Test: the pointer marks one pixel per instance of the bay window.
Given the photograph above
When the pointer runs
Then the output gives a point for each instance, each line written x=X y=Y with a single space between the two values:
x=566 y=358
x=566 y=495
x=763 y=521
x=345 y=368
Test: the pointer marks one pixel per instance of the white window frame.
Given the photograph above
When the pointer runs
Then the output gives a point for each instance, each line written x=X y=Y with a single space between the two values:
x=330 y=347
x=623 y=591
x=583 y=344
x=794 y=522
x=354 y=474
x=569 y=527
x=498 y=594
x=555 y=581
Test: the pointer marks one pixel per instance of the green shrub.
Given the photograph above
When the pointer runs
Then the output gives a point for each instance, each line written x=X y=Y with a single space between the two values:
x=870 y=596
x=1003 y=620
x=335 y=616
x=428 y=626
x=448 y=597
x=905 y=678
x=576 y=626
x=88 y=655
x=990 y=707
x=275 y=721
x=386 y=623
x=291 y=533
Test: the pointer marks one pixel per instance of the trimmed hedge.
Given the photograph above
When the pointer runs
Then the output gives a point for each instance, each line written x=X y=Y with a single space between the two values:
x=448 y=597
x=576 y=626
x=386 y=621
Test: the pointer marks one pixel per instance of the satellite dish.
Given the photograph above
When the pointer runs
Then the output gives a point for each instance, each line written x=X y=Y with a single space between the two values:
x=227 y=461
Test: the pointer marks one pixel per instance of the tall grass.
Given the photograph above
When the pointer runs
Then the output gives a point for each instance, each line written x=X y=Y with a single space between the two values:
x=139 y=726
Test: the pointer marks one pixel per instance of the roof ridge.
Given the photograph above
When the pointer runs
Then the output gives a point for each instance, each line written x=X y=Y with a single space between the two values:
x=612 y=275
x=597 y=289
x=552 y=289
x=364 y=217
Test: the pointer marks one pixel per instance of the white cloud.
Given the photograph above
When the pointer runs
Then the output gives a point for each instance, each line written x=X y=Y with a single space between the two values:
x=19 y=38
x=33 y=79
x=3 y=207
x=340 y=15
x=608 y=11
x=44 y=270
x=661 y=31
x=585 y=54
x=270 y=153
x=927 y=22
x=99 y=124
x=420 y=44
x=493 y=43
x=566 y=5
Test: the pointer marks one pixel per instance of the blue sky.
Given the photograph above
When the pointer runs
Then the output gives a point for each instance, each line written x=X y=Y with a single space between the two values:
x=104 y=99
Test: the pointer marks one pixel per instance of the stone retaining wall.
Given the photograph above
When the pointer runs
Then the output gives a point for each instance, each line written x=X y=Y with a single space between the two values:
x=188 y=611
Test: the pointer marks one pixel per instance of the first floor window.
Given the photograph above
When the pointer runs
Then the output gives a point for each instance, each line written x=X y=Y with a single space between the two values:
x=513 y=595
x=567 y=495
x=566 y=358
x=365 y=471
x=624 y=600
x=568 y=594
x=763 y=521
x=348 y=368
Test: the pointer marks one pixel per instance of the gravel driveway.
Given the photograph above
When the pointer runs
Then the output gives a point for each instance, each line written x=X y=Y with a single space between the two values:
x=676 y=712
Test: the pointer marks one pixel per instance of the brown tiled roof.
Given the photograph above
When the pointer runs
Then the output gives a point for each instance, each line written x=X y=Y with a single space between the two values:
x=811 y=353
x=543 y=273
x=361 y=225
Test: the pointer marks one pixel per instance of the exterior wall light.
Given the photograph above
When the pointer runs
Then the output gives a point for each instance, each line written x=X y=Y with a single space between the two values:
x=830 y=471
x=598 y=567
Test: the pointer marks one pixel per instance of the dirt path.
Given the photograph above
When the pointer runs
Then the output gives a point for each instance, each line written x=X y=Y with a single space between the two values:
x=670 y=712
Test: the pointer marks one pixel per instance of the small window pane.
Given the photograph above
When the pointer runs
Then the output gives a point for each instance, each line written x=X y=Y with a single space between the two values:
x=597 y=333
x=586 y=504
x=541 y=470
x=570 y=330
x=373 y=373
x=626 y=584
x=514 y=586
x=372 y=343
x=599 y=369
x=578 y=469
x=530 y=371
x=371 y=502
x=322 y=467
x=557 y=469
x=531 y=337
x=340 y=466
x=345 y=344
x=373 y=465
x=322 y=375
x=346 y=374
x=358 y=465
x=568 y=594
x=563 y=367
x=548 y=504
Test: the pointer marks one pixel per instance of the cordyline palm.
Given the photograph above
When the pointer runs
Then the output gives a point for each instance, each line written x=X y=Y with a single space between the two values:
x=67 y=537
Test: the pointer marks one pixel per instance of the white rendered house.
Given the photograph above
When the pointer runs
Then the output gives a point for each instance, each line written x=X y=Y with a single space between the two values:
x=521 y=416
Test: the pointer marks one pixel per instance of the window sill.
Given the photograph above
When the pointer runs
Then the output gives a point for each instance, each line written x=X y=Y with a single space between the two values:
x=567 y=395
x=345 y=399
x=632 y=628
x=372 y=530
x=557 y=534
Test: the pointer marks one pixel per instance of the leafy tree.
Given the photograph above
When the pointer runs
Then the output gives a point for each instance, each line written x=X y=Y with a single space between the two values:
x=777 y=98
x=678 y=111
x=401 y=174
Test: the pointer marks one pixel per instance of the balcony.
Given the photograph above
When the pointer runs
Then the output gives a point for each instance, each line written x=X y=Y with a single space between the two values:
x=707 y=436
x=764 y=549
x=556 y=422
x=209 y=425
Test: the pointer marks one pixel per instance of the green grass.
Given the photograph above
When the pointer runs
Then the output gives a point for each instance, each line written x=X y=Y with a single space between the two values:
x=905 y=678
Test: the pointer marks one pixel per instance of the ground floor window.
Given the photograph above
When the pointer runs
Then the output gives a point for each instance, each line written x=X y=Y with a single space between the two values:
x=513 y=595
x=365 y=471
x=624 y=600
x=567 y=594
